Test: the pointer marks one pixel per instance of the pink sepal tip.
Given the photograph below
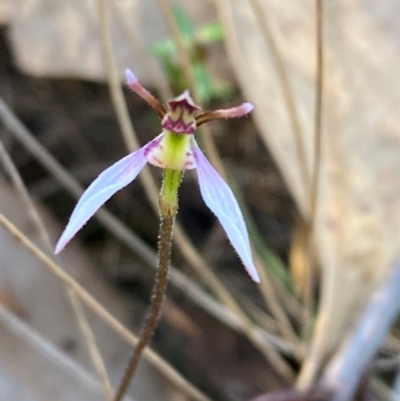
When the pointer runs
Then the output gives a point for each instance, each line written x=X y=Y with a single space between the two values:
x=131 y=78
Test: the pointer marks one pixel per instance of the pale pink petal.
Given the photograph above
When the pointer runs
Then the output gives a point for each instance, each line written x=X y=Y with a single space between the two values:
x=219 y=198
x=100 y=191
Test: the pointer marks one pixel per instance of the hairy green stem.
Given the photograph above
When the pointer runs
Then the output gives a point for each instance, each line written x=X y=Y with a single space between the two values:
x=168 y=210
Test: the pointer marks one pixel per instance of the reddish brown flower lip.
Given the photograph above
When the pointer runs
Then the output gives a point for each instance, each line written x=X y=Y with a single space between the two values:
x=184 y=101
x=180 y=118
x=179 y=127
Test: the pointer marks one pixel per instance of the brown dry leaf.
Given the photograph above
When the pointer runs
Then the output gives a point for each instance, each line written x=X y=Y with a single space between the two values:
x=357 y=227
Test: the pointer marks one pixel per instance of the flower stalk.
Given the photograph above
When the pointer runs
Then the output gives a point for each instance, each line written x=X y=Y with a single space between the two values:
x=168 y=209
x=153 y=312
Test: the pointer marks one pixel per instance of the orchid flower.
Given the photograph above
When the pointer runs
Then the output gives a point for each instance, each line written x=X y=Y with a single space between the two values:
x=174 y=149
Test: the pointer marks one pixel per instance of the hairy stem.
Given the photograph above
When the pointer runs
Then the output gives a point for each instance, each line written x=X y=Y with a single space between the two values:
x=154 y=310
x=168 y=210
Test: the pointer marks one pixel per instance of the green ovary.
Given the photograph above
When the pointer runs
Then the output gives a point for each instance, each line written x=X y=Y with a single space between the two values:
x=174 y=152
x=169 y=192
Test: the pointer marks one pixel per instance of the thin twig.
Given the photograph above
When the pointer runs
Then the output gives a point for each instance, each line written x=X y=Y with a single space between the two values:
x=396 y=386
x=314 y=394
x=75 y=302
x=19 y=185
x=97 y=308
x=316 y=171
x=382 y=390
x=318 y=112
x=268 y=291
x=309 y=367
x=88 y=334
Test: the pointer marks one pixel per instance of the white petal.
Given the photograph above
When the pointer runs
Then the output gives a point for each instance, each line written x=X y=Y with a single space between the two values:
x=100 y=191
x=219 y=198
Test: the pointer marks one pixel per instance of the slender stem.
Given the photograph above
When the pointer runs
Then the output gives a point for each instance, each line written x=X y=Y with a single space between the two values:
x=154 y=310
x=311 y=364
x=168 y=211
x=318 y=111
x=315 y=178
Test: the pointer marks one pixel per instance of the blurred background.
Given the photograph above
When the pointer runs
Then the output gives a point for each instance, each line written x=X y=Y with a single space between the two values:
x=314 y=169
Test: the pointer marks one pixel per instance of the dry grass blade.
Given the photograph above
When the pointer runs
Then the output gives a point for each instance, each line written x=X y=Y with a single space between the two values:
x=317 y=151
x=383 y=391
x=97 y=308
x=267 y=288
x=318 y=111
x=308 y=371
x=396 y=387
x=316 y=172
x=76 y=305
x=314 y=394
x=268 y=291
x=94 y=352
